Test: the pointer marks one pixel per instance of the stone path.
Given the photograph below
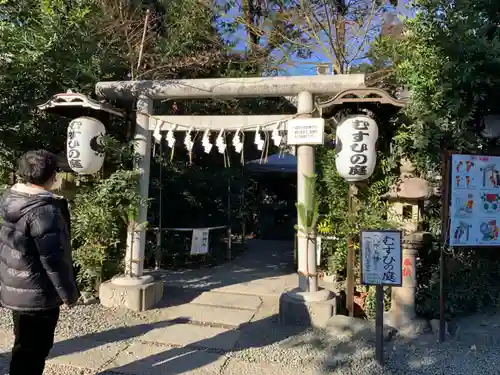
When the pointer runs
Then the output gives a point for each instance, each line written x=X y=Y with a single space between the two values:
x=265 y=269
x=202 y=337
x=206 y=322
x=92 y=340
x=205 y=327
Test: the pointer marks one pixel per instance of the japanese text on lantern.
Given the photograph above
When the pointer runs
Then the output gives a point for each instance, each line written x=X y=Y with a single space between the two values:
x=74 y=152
x=381 y=254
x=360 y=158
x=356 y=138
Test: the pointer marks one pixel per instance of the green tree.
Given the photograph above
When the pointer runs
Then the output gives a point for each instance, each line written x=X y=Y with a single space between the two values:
x=448 y=56
x=46 y=47
x=50 y=46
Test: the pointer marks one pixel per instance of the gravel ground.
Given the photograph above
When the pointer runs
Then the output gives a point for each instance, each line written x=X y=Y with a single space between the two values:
x=93 y=321
x=85 y=320
x=57 y=370
x=473 y=351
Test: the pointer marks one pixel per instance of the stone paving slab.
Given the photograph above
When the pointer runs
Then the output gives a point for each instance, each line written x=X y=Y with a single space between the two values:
x=251 y=368
x=163 y=360
x=180 y=335
x=75 y=356
x=230 y=300
x=267 y=287
x=205 y=314
x=265 y=268
x=85 y=353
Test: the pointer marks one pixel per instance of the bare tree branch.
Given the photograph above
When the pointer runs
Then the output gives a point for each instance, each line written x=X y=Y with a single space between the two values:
x=340 y=31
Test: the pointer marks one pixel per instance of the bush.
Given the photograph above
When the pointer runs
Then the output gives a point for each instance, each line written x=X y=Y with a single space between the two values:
x=370 y=303
x=100 y=213
x=472 y=283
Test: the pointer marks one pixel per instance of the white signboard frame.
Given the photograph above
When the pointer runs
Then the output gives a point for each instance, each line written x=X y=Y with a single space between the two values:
x=473 y=215
x=305 y=131
x=381 y=257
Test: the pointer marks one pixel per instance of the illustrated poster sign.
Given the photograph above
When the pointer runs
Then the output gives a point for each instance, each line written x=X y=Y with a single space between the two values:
x=474 y=210
x=381 y=257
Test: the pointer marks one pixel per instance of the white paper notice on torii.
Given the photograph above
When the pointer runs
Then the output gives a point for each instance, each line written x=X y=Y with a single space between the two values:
x=305 y=131
x=381 y=257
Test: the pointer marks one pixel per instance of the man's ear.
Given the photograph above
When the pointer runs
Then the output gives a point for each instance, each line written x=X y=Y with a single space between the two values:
x=56 y=182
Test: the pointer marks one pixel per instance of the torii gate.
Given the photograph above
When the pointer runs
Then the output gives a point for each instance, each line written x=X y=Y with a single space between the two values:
x=140 y=291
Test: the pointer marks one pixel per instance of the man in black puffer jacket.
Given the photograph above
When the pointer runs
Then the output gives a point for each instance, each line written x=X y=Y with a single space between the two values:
x=36 y=271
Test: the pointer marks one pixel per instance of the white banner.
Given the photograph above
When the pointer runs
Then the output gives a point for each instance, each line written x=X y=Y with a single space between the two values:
x=199 y=241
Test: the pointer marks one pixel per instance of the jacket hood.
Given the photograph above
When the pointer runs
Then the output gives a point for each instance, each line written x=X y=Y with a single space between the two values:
x=20 y=199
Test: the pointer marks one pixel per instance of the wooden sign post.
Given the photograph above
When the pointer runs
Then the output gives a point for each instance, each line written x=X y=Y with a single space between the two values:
x=381 y=257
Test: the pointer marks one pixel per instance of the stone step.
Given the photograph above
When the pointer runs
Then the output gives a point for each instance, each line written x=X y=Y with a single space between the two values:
x=191 y=335
x=204 y=314
x=264 y=287
x=229 y=300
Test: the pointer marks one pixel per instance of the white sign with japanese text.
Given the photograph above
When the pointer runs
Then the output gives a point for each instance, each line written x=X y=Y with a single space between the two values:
x=199 y=241
x=305 y=131
x=381 y=257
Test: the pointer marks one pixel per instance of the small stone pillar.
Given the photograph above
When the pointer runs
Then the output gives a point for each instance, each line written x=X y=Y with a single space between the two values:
x=407 y=199
x=403 y=298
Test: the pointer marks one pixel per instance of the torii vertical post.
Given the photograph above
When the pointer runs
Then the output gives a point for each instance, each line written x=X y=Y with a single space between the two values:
x=308 y=279
x=134 y=290
x=134 y=258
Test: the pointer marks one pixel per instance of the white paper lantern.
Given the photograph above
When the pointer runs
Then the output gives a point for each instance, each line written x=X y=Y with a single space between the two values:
x=356 y=140
x=82 y=146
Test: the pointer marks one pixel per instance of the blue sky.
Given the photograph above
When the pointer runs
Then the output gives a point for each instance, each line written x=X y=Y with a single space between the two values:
x=297 y=66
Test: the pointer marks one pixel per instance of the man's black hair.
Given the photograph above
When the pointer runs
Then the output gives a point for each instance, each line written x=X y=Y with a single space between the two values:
x=37 y=167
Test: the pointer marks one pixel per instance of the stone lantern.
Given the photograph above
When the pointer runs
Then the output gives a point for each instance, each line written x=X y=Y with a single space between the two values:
x=407 y=199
